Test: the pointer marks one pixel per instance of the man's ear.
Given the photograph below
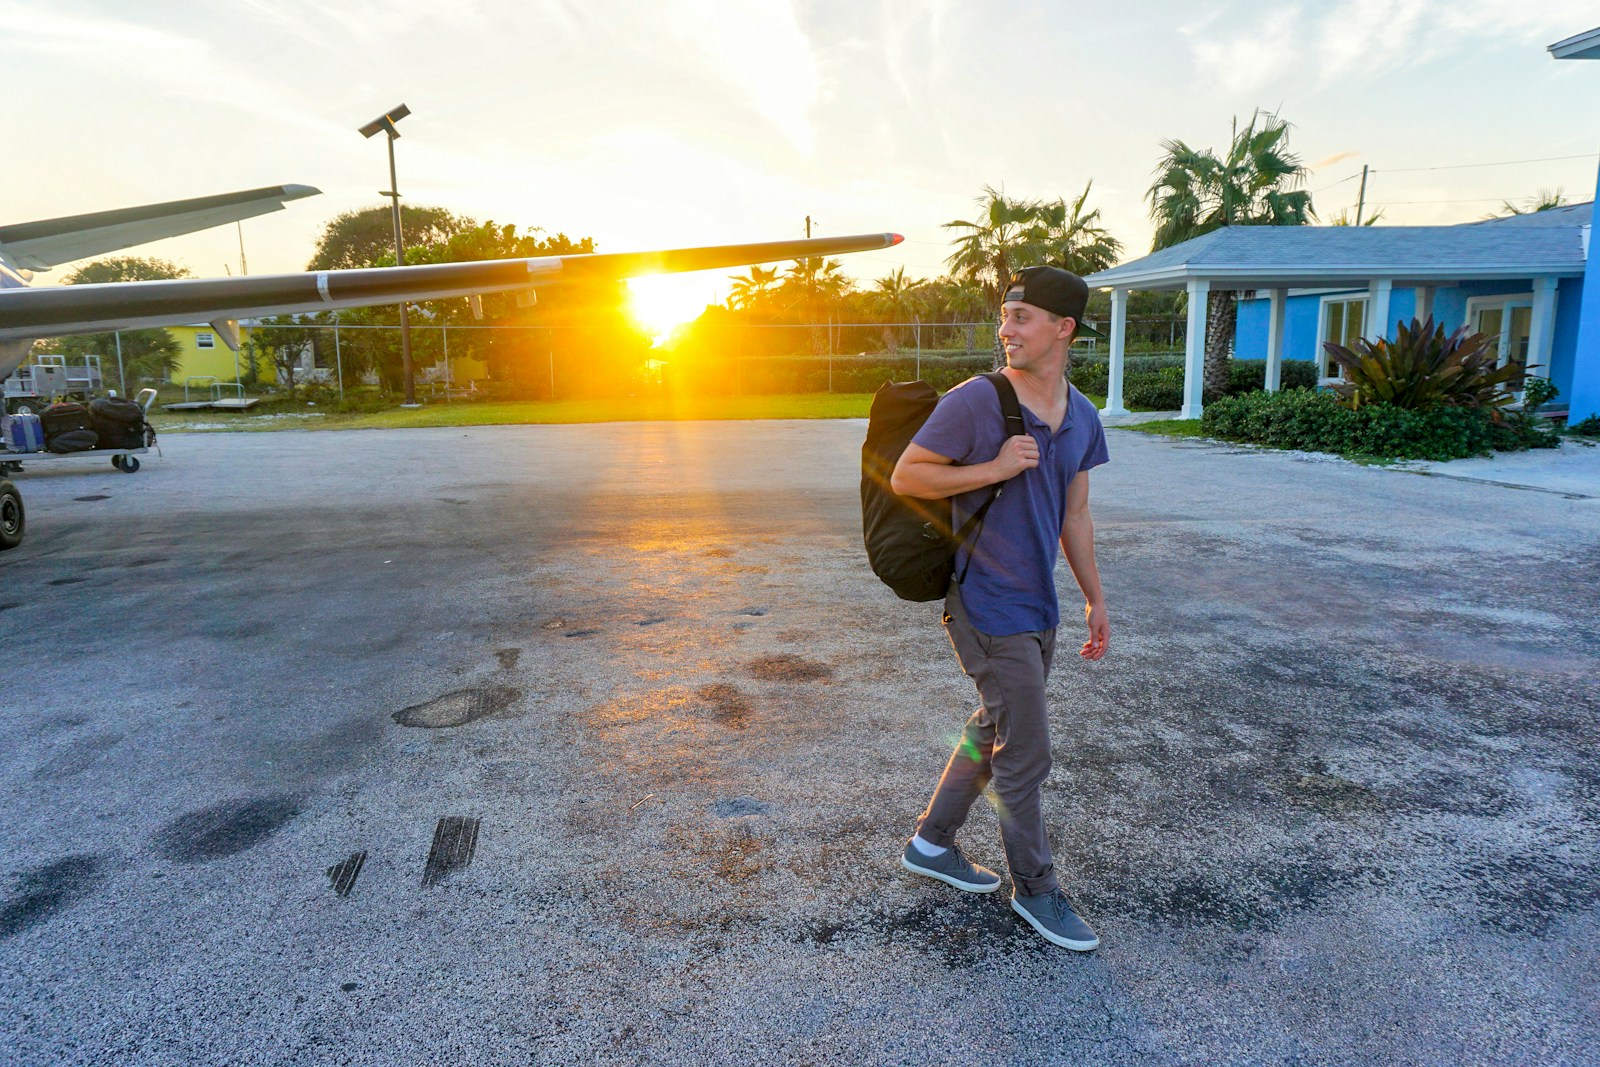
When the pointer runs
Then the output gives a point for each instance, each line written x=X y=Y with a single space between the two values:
x=1068 y=328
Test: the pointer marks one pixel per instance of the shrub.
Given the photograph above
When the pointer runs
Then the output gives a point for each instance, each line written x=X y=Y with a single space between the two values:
x=1161 y=391
x=1318 y=422
x=1589 y=427
x=1423 y=369
x=1518 y=431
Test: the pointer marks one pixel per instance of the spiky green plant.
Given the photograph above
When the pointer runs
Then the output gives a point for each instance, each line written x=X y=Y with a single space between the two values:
x=1422 y=369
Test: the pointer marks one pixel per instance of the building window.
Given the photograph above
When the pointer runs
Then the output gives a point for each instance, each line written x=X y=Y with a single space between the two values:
x=205 y=340
x=1342 y=321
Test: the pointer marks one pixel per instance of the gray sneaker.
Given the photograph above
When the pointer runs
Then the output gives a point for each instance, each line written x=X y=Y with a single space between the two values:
x=1051 y=914
x=950 y=866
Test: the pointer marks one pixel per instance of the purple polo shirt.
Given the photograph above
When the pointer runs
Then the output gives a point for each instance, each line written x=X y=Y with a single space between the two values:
x=1010 y=587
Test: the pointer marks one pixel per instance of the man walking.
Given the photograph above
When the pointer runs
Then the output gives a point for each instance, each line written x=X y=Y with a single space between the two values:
x=1002 y=614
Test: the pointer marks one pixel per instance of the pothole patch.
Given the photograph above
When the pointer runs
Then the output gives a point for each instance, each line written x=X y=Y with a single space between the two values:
x=735 y=807
x=43 y=891
x=728 y=704
x=508 y=657
x=787 y=667
x=458 y=708
x=225 y=829
x=1331 y=795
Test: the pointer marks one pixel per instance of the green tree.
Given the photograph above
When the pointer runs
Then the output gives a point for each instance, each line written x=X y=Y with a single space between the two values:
x=1344 y=218
x=146 y=354
x=508 y=352
x=361 y=238
x=1070 y=237
x=810 y=292
x=1196 y=192
x=1543 y=200
x=894 y=299
x=753 y=291
x=282 y=340
x=990 y=249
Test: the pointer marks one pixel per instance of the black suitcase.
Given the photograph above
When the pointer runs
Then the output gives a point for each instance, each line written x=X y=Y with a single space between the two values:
x=73 y=441
x=64 y=417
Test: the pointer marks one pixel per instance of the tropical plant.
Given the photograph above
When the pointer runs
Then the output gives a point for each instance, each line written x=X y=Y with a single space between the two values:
x=1196 y=192
x=1344 y=218
x=1071 y=238
x=753 y=291
x=993 y=247
x=1543 y=200
x=893 y=299
x=1423 y=368
x=1020 y=233
x=151 y=353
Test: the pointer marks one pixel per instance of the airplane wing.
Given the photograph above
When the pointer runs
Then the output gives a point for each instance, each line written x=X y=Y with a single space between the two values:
x=26 y=314
x=42 y=245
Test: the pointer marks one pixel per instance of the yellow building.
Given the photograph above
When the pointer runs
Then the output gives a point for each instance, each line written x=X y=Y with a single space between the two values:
x=202 y=353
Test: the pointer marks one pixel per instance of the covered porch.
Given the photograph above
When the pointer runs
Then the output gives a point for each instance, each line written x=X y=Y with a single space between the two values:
x=1272 y=260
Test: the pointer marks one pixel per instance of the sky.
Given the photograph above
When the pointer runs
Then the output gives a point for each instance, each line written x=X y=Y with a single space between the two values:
x=690 y=122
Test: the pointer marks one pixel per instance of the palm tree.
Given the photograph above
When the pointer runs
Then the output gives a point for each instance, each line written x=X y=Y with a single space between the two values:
x=811 y=285
x=1344 y=218
x=990 y=249
x=894 y=299
x=753 y=290
x=1544 y=200
x=1253 y=185
x=1073 y=239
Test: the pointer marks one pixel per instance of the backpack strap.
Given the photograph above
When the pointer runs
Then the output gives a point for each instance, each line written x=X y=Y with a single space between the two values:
x=1011 y=412
x=1010 y=407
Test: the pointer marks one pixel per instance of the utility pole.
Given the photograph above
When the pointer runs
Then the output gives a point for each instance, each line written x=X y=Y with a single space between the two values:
x=1361 y=199
x=386 y=124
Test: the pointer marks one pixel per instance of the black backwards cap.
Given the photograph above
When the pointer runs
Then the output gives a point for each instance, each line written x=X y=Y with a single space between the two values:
x=1058 y=291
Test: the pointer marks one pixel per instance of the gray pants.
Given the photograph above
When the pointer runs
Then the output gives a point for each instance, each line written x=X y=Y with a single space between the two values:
x=1006 y=741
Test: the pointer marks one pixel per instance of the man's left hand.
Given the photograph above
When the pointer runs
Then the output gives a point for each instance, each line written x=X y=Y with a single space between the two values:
x=1099 y=631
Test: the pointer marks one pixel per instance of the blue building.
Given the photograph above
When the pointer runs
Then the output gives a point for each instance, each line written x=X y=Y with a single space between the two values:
x=1528 y=280
x=1534 y=317
x=1521 y=279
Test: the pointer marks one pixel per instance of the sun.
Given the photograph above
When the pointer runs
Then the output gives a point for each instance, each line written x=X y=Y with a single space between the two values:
x=663 y=302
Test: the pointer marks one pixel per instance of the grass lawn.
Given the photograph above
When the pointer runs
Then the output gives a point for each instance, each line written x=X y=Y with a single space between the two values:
x=439 y=413
x=1168 y=427
x=301 y=416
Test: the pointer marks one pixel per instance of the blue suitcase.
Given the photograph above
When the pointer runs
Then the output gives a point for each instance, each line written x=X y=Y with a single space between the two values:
x=22 y=433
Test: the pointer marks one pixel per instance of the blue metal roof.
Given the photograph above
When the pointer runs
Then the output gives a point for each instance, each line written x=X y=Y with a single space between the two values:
x=1261 y=257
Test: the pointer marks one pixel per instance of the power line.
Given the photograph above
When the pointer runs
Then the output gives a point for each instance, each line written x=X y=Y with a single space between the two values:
x=1341 y=181
x=1464 y=166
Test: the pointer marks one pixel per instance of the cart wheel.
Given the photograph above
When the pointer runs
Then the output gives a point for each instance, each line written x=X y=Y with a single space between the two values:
x=116 y=461
x=12 y=518
x=129 y=464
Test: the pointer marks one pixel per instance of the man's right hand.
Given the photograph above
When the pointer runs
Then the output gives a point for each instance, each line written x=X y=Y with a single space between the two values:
x=1018 y=454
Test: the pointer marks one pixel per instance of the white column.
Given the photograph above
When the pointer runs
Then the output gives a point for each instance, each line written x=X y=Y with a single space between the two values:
x=1378 y=325
x=1194 y=358
x=1275 y=318
x=1424 y=303
x=1119 y=331
x=1543 y=327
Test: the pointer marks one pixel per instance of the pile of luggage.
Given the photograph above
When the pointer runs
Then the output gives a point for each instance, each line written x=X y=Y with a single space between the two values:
x=107 y=423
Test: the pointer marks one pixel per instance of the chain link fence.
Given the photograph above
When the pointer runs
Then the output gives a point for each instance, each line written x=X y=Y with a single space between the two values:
x=455 y=361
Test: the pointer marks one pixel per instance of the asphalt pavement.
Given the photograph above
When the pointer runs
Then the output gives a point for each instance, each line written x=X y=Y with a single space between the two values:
x=599 y=744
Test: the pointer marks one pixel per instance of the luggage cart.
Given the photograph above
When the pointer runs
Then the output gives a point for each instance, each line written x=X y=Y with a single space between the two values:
x=125 y=460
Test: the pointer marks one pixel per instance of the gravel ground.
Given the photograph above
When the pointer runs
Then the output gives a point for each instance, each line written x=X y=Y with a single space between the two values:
x=599 y=744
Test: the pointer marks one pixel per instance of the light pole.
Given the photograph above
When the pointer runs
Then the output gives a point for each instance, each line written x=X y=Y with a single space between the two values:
x=386 y=123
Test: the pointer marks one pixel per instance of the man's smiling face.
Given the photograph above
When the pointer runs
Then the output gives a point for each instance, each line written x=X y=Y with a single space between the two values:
x=1030 y=333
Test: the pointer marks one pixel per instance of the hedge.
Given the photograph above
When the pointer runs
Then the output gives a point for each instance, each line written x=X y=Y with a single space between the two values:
x=1317 y=422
